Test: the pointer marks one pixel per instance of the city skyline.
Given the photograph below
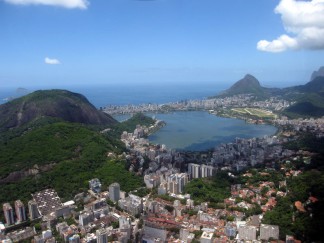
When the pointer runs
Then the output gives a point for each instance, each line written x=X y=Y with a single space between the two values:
x=77 y=42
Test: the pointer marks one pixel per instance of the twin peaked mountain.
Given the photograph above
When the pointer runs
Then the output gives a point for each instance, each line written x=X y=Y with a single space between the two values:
x=308 y=98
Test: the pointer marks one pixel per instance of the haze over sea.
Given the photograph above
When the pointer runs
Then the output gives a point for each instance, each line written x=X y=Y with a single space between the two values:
x=184 y=130
x=131 y=93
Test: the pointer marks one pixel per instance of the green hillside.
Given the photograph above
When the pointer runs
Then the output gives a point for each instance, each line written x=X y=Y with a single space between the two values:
x=62 y=104
x=309 y=99
x=130 y=124
x=52 y=143
x=78 y=154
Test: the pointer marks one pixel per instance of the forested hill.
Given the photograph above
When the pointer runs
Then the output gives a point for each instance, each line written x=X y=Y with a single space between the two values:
x=62 y=104
x=52 y=139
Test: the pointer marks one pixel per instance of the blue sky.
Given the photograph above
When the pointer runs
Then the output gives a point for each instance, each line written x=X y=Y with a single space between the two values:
x=68 y=42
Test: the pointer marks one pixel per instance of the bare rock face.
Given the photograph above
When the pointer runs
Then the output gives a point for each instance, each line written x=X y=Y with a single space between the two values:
x=319 y=73
x=22 y=174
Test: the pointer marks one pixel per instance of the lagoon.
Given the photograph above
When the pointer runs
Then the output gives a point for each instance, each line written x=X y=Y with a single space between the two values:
x=199 y=130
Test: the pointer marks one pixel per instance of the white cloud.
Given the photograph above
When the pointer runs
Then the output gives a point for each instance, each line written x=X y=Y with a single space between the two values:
x=83 y=4
x=51 y=61
x=304 y=21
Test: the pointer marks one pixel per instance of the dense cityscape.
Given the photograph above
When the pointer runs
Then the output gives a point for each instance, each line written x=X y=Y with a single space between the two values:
x=163 y=211
x=212 y=104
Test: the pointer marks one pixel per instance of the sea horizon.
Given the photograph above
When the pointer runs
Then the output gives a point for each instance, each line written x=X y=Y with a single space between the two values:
x=119 y=94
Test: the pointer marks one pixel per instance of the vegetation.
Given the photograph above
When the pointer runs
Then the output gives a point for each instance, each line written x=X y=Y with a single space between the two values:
x=306 y=226
x=309 y=99
x=61 y=104
x=78 y=154
x=130 y=124
x=305 y=108
x=213 y=190
x=114 y=171
x=307 y=142
x=52 y=143
x=141 y=192
x=268 y=175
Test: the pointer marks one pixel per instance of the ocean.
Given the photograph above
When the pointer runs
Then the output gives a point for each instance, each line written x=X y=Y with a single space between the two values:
x=124 y=94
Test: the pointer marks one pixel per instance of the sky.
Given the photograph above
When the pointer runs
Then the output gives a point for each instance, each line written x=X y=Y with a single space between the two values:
x=79 y=42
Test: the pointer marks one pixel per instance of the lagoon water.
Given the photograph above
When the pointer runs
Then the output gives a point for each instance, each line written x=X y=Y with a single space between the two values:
x=199 y=130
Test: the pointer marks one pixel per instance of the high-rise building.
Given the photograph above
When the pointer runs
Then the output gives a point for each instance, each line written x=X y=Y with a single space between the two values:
x=182 y=181
x=33 y=210
x=173 y=187
x=20 y=211
x=176 y=182
x=194 y=170
x=206 y=171
x=102 y=236
x=200 y=171
x=114 y=192
x=86 y=218
x=8 y=213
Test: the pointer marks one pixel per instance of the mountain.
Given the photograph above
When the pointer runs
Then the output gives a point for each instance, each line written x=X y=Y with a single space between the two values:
x=247 y=85
x=309 y=99
x=319 y=73
x=62 y=104
x=44 y=143
x=316 y=85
